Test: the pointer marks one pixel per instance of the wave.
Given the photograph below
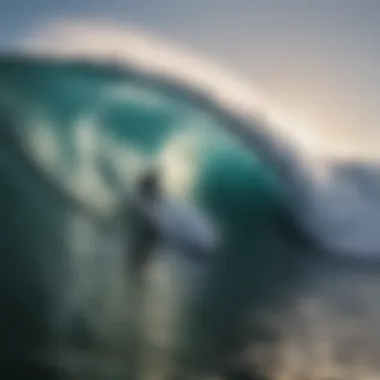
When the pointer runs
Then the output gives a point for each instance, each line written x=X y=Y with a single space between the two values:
x=76 y=134
x=339 y=212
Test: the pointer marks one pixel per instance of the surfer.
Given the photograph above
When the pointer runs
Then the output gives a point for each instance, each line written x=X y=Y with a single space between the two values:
x=155 y=219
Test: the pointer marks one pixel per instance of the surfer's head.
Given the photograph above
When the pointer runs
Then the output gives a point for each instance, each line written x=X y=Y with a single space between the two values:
x=149 y=184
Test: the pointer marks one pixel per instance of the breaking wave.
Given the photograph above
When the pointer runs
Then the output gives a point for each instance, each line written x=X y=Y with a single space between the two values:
x=77 y=131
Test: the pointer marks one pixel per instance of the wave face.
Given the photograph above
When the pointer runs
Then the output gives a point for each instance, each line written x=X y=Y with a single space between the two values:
x=75 y=138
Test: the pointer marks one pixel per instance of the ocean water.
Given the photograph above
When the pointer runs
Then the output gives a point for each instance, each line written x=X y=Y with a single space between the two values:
x=280 y=292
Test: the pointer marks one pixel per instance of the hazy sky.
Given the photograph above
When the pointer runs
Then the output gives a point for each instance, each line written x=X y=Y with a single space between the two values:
x=318 y=58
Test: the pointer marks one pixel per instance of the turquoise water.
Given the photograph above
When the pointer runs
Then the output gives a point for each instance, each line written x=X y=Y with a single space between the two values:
x=88 y=132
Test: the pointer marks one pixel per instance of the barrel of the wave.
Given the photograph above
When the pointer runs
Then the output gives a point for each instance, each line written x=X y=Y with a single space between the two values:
x=217 y=176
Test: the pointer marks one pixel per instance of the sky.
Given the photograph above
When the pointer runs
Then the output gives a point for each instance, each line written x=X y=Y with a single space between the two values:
x=318 y=59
